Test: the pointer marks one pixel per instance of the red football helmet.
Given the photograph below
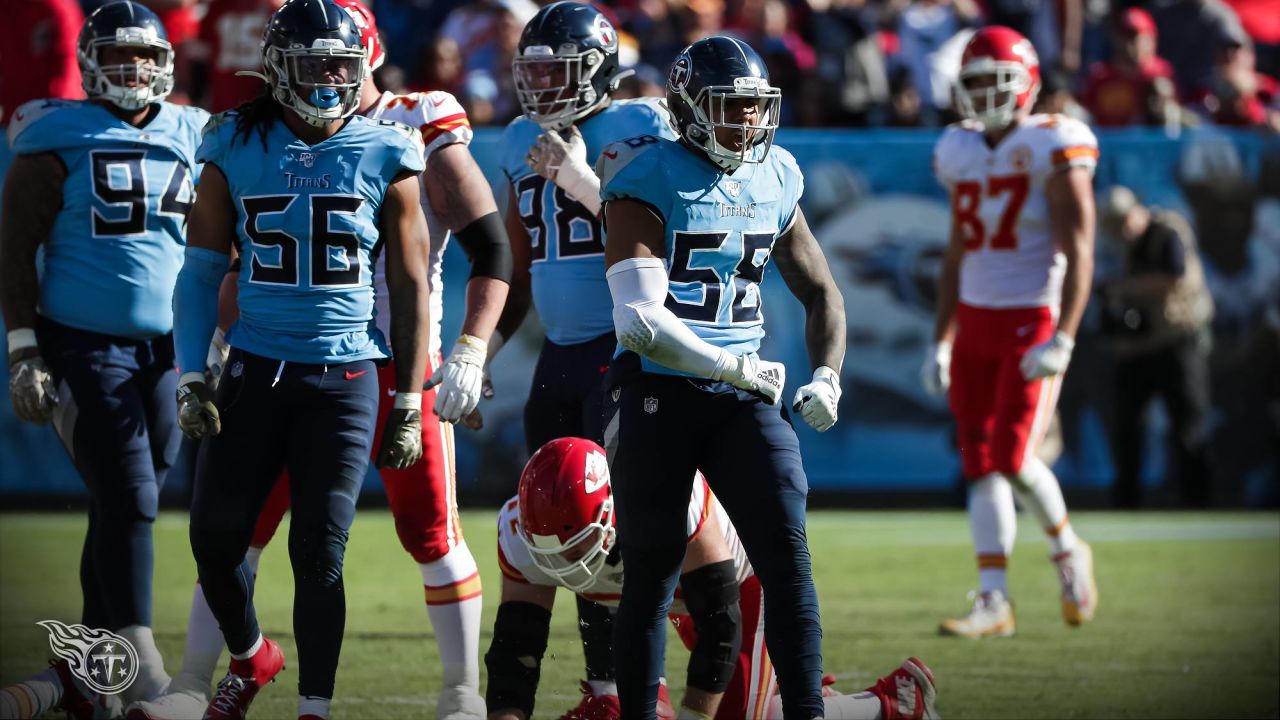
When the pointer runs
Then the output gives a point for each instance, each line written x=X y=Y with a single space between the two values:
x=999 y=76
x=364 y=20
x=566 y=510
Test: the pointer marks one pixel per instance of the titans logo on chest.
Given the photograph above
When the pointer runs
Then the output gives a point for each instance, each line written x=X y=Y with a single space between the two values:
x=727 y=210
x=294 y=182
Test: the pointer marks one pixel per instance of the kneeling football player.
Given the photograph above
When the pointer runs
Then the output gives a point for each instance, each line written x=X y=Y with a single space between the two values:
x=559 y=532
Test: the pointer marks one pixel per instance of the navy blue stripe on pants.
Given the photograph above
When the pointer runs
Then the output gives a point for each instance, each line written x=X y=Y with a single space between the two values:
x=317 y=421
x=118 y=420
x=661 y=429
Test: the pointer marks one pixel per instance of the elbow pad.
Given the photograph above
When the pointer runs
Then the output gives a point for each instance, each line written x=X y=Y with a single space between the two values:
x=645 y=326
x=486 y=245
x=514 y=660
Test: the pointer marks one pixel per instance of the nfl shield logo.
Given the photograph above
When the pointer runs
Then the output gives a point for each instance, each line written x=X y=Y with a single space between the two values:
x=734 y=187
x=307 y=159
x=651 y=405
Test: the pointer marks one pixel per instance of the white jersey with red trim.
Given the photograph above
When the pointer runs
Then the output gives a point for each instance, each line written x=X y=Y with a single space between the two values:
x=999 y=205
x=517 y=563
x=442 y=121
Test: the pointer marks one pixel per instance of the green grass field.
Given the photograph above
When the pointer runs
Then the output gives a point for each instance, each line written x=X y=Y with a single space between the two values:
x=1188 y=625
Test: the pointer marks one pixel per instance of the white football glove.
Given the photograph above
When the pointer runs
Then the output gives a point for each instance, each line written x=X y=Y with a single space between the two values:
x=31 y=386
x=216 y=360
x=561 y=157
x=1048 y=358
x=817 y=402
x=460 y=379
x=935 y=375
x=197 y=414
x=762 y=377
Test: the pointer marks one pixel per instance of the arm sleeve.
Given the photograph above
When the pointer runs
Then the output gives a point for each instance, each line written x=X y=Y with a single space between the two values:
x=195 y=306
x=644 y=324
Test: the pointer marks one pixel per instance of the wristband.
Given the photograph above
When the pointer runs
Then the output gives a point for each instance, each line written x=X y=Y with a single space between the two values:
x=21 y=339
x=408 y=401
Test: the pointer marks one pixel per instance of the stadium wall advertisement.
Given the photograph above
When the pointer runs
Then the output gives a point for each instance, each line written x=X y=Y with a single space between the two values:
x=883 y=221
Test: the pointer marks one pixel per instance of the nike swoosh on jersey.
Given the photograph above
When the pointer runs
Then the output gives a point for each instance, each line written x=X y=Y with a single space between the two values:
x=354 y=375
x=611 y=155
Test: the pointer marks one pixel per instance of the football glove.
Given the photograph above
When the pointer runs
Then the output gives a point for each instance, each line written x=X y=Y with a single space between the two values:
x=31 y=386
x=460 y=379
x=561 y=157
x=197 y=414
x=761 y=377
x=935 y=375
x=817 y=402
x=1048 y=358
x=402 y=433
x=216 y=361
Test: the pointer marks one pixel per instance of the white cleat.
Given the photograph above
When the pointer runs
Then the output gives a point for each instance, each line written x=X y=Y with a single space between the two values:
x=181 y=705
x=1079 y=588
x=460 y=703
x=991 y=616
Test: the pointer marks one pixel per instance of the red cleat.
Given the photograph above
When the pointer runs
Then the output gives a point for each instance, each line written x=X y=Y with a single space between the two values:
x=73 y=702
x=243 y=681
x=665 y=711
x=595 y=707
x=907 y=693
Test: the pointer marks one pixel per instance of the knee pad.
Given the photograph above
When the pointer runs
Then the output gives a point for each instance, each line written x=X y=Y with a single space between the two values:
x=514 y=660
x=316 y=553
x=711 y=594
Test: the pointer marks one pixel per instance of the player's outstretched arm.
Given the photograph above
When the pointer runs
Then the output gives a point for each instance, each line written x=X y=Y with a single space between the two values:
x=459 y=195
x=210 y=229
x=514 y=660
x=805 y=270
x=32 y=200
x=1070 y=194
x=404 y=229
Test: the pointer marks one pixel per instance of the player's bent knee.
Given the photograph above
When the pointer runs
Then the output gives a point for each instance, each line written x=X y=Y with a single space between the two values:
x=514 y=659
x=136 y=503
x=711 y=594
x=317 y=555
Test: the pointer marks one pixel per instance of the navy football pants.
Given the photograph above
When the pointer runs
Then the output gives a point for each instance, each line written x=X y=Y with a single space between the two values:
x=118 y=420
x=318 y=421
x=565 y=401
x=659 y=430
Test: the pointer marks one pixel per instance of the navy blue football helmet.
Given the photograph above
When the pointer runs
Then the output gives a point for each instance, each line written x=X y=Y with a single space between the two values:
x=314 y=60
x=130 y=86
x=566 y=65
x=708 y=84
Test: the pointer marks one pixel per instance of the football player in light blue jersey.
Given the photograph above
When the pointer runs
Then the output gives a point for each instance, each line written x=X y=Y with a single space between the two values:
x=103 y=186
x=692 y=224
x=309 y=193
x=566 y=72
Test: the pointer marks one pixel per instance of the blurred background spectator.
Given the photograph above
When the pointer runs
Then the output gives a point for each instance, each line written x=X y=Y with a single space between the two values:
x=1135 y=86
x=40 y=38
x=229 y=40
x=1157 y=314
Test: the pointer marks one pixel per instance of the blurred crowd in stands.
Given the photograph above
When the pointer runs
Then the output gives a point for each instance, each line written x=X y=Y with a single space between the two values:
x=840 y=63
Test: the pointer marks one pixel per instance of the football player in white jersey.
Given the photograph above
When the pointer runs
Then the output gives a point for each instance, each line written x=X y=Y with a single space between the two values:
x=558 y=531
x=1015 y=281
x=456 y=198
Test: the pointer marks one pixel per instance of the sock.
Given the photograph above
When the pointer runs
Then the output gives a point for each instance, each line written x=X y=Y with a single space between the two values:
x=452 y=588
x=253 y=650
x=32 y=697
x=1040 y=494
x=993 y=524
x=152 y=679
x=252 y=556
x=602 y=687
x=203 y=648
x=311 y=705
x=862 y=706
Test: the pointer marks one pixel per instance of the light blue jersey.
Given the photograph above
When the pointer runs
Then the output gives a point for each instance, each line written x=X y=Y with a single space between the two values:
x=308 y=234
x=114 y=253
x=569 y=288
x=719 y=231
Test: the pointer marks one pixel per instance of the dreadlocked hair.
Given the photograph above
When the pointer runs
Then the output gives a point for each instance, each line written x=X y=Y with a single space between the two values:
x=258 y=114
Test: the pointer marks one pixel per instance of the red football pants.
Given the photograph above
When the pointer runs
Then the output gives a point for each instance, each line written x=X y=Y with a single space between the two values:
x=1000 y=416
